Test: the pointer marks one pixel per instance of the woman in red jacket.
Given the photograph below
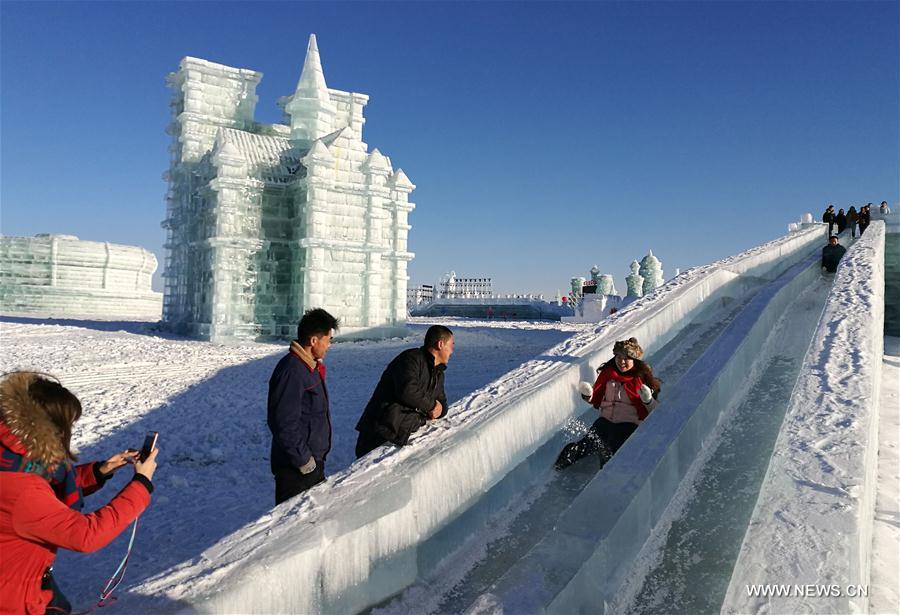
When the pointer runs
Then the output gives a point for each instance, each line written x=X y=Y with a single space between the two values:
x=41 y=492
x=625 y=392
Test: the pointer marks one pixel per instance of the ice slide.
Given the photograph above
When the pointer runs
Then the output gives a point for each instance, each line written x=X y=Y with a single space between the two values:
x=388 y=523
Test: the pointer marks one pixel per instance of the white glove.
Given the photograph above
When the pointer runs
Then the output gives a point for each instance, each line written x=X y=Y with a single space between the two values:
x=585 y=389
x=646 y=394
x=308 y=467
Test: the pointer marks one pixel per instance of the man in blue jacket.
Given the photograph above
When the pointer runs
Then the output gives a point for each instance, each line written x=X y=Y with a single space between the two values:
x=298 y=415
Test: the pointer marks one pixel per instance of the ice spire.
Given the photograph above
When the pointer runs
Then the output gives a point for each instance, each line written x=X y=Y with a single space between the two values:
x=312 y=78
x=635 y=281
x=651 y=271
x=311 y=108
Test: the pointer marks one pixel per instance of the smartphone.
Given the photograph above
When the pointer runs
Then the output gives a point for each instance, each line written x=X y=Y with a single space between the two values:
x=149 y=445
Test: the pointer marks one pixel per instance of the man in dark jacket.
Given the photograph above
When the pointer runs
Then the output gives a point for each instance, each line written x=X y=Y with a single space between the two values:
x=832 y=254
x=865 y=217
x=828 y=217
x=410 y=392
x=298 y=415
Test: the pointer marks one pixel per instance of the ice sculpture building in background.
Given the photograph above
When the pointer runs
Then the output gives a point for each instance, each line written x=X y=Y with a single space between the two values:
x=596 y=299
x=265 y=221
x=63 y=276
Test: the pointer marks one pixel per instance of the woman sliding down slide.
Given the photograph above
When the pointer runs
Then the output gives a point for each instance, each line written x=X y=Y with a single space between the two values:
x=625 y=392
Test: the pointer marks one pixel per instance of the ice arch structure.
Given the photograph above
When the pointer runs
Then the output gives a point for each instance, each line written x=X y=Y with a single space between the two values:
x=61 y=275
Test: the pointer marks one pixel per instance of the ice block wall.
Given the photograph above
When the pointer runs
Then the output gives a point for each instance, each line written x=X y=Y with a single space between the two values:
x=358 y=541
x=60 y=275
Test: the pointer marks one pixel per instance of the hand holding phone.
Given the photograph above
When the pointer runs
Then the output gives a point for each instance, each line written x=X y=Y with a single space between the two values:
x=149 y=445
x=146 y=461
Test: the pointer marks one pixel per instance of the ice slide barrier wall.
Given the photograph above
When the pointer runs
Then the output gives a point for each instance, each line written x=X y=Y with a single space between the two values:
x=805 y=511
x=366 y=535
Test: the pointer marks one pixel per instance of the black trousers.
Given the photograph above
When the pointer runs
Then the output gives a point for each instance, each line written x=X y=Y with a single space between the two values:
x=603 y=438
x=368 y=442
x=613 y=434
x=290 y=482
x=58 y=603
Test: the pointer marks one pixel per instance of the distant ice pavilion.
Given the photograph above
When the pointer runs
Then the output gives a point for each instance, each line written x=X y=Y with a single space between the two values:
x=265 y=221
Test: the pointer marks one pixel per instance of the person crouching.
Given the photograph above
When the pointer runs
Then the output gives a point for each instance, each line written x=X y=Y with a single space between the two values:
x=625 y=392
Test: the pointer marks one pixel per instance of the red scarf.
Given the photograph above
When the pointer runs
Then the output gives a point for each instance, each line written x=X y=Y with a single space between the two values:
x=631 y=382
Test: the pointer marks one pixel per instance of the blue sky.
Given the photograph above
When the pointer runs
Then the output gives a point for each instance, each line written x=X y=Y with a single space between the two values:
x=544 y=138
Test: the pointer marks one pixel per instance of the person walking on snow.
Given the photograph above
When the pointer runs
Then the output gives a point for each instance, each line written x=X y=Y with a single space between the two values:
x=841 y=220
x=828 y=217
x=865 y=217
x=625 y=392
x=852 y=219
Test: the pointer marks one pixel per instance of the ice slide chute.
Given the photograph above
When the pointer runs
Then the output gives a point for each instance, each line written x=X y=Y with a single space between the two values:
x=370 y=534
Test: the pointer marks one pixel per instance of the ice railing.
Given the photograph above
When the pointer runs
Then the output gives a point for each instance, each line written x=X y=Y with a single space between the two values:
x=355 y=541
x=812 y=523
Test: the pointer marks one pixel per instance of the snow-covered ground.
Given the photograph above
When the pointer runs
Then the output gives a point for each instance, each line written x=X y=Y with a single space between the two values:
x=208 y=403
x=884 y=595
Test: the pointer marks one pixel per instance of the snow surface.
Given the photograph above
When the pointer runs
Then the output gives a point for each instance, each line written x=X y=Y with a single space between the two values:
x=885 y=590
x=209 y=404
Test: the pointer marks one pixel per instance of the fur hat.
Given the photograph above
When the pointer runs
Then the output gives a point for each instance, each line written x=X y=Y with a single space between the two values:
x=630 y=348
x=27 y=420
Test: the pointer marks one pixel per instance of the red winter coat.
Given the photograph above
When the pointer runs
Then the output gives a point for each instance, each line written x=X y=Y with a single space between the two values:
x=34 y=524
x=631 y=384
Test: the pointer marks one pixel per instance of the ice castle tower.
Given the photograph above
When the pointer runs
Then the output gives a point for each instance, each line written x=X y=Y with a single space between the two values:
x=265 y=221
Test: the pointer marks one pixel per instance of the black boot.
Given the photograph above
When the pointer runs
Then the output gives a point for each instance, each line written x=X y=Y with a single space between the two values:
x=603 y=451
x=573 y=451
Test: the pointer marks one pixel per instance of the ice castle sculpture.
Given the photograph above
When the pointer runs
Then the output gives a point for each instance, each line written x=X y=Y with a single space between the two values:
x=577 y=284
x=63 y=276
x=651 y=270
x=266 y=221
x=606 y=285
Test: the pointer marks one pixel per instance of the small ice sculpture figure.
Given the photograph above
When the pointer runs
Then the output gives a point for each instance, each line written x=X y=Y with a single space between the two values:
x=595 y=275
x=635 y=281
x=806 y=218
x=577 y=285
x=651 y=271
x=606 y=285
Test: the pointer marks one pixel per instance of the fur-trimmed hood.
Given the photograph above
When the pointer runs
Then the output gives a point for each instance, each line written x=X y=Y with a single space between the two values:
x=26 y=429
